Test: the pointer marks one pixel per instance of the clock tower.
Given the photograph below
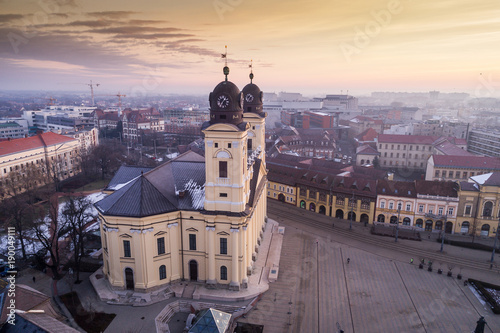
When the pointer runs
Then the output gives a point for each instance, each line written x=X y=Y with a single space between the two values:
x=227 y=175
x=256 y=118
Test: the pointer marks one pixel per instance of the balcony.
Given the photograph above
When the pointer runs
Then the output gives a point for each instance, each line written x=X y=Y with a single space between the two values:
x=223 y=181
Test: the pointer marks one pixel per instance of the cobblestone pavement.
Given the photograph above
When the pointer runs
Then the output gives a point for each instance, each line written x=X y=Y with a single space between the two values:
x=317 y=289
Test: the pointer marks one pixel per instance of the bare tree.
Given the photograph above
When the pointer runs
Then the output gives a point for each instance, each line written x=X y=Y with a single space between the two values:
x=77 y=213
x=49 y=230
x=21 y=189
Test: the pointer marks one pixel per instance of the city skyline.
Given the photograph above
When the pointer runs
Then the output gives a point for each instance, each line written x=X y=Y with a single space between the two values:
x=310 y=47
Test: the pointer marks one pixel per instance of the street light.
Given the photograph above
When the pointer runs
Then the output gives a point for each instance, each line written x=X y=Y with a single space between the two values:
x=432 y=216
x=495 y=243
x=352 y=206
x=397 y=221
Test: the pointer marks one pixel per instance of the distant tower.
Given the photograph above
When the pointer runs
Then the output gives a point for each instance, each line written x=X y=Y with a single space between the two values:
x=256 y=118
x=434 y=95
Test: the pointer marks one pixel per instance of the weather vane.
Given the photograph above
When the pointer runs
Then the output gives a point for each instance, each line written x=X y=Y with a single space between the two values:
x=226 y=69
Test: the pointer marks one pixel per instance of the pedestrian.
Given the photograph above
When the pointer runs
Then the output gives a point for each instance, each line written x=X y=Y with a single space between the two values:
x=34 y=279
x=348 y=260
x=411 y=261
x=333 y=225
x=491 y=266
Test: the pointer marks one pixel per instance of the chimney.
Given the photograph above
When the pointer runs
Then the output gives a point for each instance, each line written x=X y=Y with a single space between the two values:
x=181 y=194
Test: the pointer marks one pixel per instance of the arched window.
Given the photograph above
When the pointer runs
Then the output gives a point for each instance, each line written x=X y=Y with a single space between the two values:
x=465 y=227
x=485 y=230
x=393 y=219
x=488 y=207
x=438 y=225
x=163 y=272
x=223 y=273
x=419 y=223
x=381 y=218
x=406 y=221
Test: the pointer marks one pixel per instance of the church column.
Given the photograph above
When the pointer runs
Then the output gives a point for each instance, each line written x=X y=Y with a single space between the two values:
x=243 y=266
x=211 y=256
x=235 y=284
x=174 y=252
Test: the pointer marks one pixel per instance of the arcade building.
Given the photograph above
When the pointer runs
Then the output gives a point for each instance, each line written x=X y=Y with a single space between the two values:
x=197 y=218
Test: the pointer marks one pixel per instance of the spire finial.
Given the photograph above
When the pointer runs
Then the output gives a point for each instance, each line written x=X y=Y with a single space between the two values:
x=226 y=69
x=251 y=70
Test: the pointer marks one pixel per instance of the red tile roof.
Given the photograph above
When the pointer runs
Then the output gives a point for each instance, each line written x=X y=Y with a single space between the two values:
x=436 y=187
x=368 y=135
x=467 y=162
x=33 y=142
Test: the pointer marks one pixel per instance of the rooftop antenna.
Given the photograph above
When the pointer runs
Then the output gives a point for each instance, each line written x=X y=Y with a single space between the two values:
x=226 y=69
x=251 y=70
x=91 y=85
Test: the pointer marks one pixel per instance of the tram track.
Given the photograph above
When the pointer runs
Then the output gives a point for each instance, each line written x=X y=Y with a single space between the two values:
x=300 y=216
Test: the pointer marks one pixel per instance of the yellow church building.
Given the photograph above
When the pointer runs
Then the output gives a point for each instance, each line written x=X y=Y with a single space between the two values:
x=197 y=218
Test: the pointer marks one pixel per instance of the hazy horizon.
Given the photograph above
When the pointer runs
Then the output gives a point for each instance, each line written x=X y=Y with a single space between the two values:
x=312 y=47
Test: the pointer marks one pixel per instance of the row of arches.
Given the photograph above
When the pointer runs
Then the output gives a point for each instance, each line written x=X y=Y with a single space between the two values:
x=162 y=271
x=339 y=213
x=438 y=225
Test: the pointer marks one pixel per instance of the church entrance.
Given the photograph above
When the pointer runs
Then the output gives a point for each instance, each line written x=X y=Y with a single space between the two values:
x=193 y=270
x=129 y=278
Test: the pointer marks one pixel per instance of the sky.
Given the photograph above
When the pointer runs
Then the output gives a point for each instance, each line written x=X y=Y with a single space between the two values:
x=315 y=47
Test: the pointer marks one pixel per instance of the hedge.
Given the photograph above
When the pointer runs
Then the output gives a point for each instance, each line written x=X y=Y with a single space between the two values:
x=480 y=286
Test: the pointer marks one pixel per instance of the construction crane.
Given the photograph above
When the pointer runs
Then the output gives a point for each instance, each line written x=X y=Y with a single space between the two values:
x=119 y=98
x=91 y=85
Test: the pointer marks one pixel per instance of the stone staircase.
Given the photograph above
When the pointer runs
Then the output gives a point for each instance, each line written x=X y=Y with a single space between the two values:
x=189 y=291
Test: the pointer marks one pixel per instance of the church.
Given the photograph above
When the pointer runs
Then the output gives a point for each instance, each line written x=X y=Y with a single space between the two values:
x=197 y=218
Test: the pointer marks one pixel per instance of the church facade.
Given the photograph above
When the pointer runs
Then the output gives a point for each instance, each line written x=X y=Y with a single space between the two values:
x=197 y=218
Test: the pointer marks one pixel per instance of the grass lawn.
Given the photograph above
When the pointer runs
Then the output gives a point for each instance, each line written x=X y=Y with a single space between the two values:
x=91 y=322
x=97 y=185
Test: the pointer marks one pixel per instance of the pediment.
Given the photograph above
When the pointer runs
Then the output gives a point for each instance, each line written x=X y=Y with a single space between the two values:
x=223 y=233
x=192 y=229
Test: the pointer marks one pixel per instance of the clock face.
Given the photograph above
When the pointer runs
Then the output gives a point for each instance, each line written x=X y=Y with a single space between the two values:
x=223 y=101
x=249 y=98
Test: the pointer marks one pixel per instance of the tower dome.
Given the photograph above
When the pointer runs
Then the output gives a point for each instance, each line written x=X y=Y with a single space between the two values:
x=226 y=103
x=252 y=97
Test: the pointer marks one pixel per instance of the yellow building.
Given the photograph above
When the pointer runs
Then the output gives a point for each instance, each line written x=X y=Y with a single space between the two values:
x=479 y=205
x=194 y=218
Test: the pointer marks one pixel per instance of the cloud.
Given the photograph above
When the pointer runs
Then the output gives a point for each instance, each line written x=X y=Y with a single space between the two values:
x=90 y=24
x=112 y=14
x=5 y=18
x=134 y=30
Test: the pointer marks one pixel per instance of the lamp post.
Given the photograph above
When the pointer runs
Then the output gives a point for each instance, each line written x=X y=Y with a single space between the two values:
x=495 y=243
x=432 y=216
x=397 y=222
x=352 y=206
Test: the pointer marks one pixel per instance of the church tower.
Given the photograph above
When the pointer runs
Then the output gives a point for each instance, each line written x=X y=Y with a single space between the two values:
x=227 y=175
x=256 y=117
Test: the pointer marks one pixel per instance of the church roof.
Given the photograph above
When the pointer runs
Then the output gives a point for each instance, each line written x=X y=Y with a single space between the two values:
x=124 y=175
x=175 y=185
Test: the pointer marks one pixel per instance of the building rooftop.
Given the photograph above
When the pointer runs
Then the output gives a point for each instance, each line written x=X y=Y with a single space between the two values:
x=487 y=179
x=435 y=187
x=396 y=188
x=33 y=142
x=470 y=162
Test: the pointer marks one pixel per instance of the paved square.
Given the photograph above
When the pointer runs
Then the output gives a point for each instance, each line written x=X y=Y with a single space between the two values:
x=371 y=293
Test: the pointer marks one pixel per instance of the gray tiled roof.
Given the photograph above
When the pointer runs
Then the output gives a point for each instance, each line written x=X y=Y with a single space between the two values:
x=139 y=198
x=125 y=174
x=175 y=185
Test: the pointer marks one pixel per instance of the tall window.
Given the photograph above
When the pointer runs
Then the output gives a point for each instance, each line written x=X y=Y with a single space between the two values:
x=192 y=242
x=161 y=245
x=223 y=273
x=223 y=246
x=391 y=205
x=222 y=169
x=382 y=204
x=163 y=272
x=468 y=209
x=249 y=144
x=440 y=211
x=450 y=211
x=126 y=249
x=408 y=207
